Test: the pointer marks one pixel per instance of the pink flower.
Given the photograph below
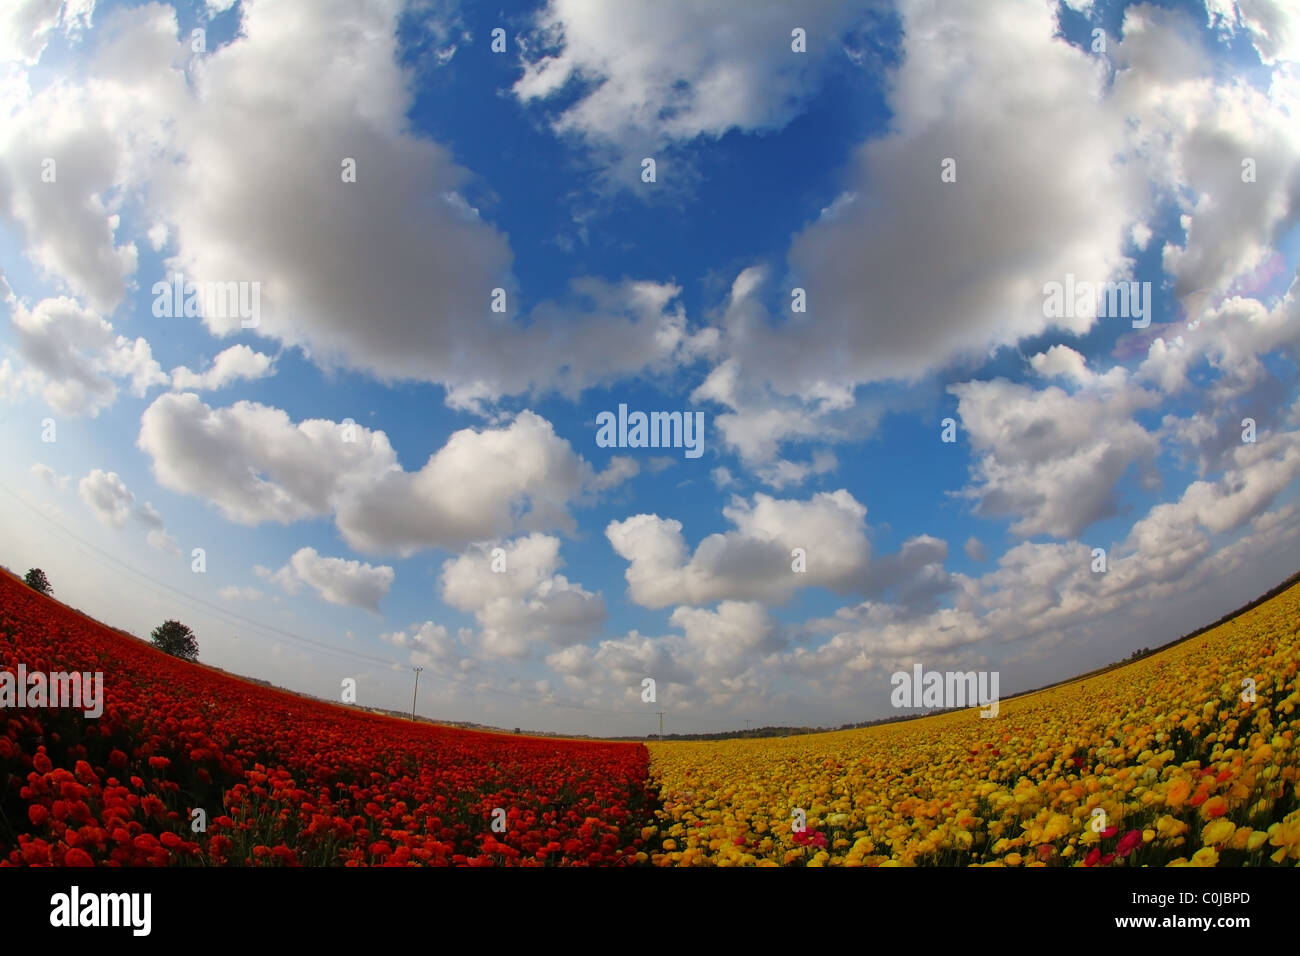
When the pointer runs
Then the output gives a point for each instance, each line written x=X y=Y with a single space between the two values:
x=1129 y=842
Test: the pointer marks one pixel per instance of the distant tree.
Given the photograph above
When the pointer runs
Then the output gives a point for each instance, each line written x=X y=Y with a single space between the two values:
x=174 y=638
x=37 y=580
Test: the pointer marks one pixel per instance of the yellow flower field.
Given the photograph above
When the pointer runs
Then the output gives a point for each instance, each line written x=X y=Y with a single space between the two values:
x=1156 y=763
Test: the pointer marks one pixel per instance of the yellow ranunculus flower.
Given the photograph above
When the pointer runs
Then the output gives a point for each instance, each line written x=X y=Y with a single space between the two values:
x=1218 y=832
x=952 y=787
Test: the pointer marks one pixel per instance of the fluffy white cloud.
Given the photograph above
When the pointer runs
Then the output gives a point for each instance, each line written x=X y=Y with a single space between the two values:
x=914 y=279
x=103 y=137
x=479 y=485
x=336 y=580
x=525 y=603
x=256 y=465
x=1049 y=591
x=107 y=496
x=157 y=535
x=728 y=640
x=1047 y=458
x=74 y=359
x=142 y=119
x=429 y=644
x=619 y=470
x=752 y=562
x=26 y=25
x=252 y=462
x=657 y=73
x=1273 y=25
x=239 y=362
x=1193 y=135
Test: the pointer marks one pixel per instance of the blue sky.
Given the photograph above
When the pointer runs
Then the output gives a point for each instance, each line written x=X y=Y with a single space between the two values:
x=348 y=465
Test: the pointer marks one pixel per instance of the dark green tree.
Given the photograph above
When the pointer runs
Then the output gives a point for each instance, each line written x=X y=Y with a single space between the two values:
x=174 y=638
x=37 y=580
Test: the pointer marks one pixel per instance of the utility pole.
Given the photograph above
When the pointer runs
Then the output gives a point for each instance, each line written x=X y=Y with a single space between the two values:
x=746 y=726
x=417 y=689
x=661 y=725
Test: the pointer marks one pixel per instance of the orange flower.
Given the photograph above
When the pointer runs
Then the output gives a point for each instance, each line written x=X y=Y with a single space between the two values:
x=1214 y=807
x=1178 y=792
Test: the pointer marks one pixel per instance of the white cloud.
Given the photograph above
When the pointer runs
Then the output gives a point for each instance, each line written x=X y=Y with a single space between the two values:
x=619 y=470
x=104 y=137
x=1192 y=134
x=1273 y=25
x=256 y=465
x=752 y=562
x=107 y=496
x=336 y=580
x=73 y=358
x=656 y=74
x=524 y=605
x=239 y=362
x=26 y=25
x=157 y=535
x=1049 y=459
x=49 y=476
x=914 y=279
x=429 y=644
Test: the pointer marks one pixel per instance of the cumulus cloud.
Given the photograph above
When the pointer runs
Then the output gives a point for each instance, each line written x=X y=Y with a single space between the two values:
x=239 y=362
x=1149 y=125
x=652 y=75
x=26 y=26
x=518 y=599
x=1194 y=135
x=1049 y=459
x=912 y=280
x=103 y=138
x=107 y=496
x=336 y=580
x=73 y=358
x=619 y=470
x=1273 y=25
x=141 y=119
x=428 y=644
x=256 y=465
x=751 y=562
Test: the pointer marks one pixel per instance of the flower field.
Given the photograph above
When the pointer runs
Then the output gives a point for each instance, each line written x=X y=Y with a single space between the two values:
x=1160 y=762
x=283 y=780
x=1183 y=771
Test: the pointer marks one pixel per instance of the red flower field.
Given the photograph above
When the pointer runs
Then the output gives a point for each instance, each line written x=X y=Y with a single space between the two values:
x=283 y=780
